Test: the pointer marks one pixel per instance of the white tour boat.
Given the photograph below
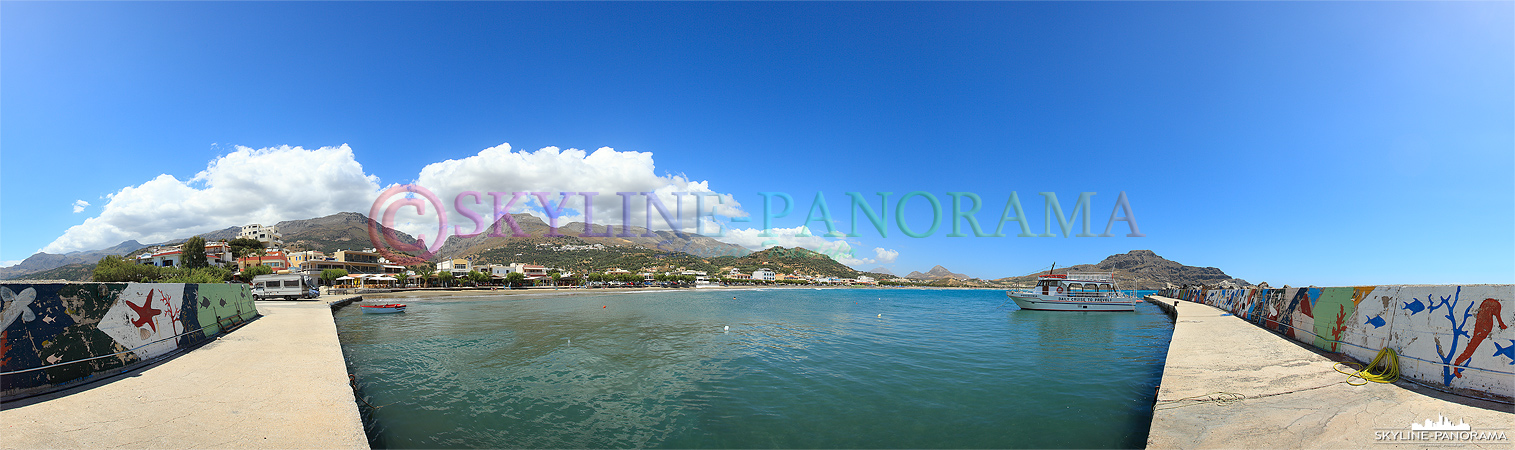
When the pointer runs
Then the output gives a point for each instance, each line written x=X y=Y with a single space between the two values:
x=1073 y=292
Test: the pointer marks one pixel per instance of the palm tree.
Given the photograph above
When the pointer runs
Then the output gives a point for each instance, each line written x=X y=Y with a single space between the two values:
x=425 y=271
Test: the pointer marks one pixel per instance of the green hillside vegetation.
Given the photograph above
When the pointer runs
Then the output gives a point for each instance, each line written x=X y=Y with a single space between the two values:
x=550 y=252
x=580 y=256
x=788 y=260
x=340 y=231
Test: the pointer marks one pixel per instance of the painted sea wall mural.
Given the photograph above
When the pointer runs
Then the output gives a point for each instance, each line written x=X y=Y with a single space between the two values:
x=1452 y=337
x=58 y=335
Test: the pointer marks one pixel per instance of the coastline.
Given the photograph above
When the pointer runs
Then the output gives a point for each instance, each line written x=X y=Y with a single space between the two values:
x=424 y=294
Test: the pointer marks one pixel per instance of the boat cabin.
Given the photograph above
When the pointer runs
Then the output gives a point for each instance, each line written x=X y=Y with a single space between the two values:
x=1076 y=284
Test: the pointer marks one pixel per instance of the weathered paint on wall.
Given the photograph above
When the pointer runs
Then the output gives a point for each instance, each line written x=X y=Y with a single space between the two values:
x=1456 y=338
x=60 y=334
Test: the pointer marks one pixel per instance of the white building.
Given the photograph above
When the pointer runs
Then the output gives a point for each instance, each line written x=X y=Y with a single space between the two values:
x=216 y=254
x=531 y=271
x=493 y=270
x=763 y=274
x=268 y=234
x=458 y=267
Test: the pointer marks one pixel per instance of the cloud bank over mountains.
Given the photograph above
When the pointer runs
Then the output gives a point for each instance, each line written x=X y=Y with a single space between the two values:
x=603 y=172
x=242 y=187
x=269 y=185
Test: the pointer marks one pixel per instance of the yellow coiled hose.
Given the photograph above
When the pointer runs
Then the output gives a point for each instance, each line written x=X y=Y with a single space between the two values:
x=1387 y=358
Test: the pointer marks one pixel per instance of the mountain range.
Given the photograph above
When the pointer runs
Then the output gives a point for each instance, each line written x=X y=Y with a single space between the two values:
x=1144 y=269
x=46 y=261
x=338 y=231
x=936 y=273
x=1138 y=269
x=536 y=232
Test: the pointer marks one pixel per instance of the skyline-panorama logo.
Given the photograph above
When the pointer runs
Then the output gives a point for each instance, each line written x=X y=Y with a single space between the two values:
x=1440 y=431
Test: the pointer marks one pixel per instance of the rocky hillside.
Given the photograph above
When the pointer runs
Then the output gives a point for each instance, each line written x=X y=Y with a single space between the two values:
x=340 y=231
x=1144 y=269
x=536 y=231
x=936 y=273
x=327 y=234
x=788 y=260
x=45 y=261
x=70 y=272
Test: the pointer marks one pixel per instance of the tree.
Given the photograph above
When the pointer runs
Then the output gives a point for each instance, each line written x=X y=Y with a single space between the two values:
x=515 y=279
x=253 y=271
x=446 y=278
x=330 y=276
x=115 y=269
x=245 y=247
x=402 y=278
x=556 y=276
x=193 y=253
x=477 y=277
x=425 y=271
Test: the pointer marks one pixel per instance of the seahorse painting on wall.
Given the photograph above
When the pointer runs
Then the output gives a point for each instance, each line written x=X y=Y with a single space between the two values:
x=1483 y=324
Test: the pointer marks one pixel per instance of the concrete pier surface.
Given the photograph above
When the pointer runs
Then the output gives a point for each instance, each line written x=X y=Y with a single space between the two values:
x=278 y=382
x=1291 y=397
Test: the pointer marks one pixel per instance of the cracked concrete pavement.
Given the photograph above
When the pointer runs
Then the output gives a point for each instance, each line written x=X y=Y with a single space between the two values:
x=279 y=382
x=1293 y=397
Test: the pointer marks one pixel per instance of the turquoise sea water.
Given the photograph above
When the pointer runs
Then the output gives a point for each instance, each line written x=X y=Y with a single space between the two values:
x=798 y=368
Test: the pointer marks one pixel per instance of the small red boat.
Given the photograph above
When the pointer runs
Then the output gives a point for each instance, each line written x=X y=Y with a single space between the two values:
x=383 y=309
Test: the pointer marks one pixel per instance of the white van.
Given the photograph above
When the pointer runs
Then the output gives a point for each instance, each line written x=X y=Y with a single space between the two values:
x=285 y=286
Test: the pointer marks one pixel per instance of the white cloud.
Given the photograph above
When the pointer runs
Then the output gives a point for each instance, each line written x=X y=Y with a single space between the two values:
x=245 y=186
x=79 y=205
x=605 y=172
x=10 y=263
x=837 y=249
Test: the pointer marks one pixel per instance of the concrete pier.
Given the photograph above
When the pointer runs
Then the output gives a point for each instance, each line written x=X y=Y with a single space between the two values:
x=1230 y=384
x=278 y=382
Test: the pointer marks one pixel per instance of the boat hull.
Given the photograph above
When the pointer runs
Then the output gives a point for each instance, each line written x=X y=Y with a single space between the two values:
x=382 y=309
x=1048 y=303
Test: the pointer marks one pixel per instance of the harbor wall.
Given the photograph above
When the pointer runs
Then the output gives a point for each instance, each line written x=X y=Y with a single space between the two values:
x=1455 y=338
x=58 y=335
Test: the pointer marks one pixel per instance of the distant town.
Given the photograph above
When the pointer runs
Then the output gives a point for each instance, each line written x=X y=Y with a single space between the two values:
x=369 y=267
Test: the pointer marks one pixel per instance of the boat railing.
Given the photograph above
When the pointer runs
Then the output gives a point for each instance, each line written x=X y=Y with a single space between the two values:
x=1091 y=276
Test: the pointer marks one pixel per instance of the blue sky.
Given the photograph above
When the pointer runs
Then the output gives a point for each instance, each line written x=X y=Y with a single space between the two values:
x=1287 y=142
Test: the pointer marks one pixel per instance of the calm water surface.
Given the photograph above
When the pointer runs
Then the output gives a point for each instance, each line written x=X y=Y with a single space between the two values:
x=799 y=368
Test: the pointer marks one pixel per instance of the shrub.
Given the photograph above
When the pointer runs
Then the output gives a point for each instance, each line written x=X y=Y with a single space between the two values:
x=199 y=275
x=253 y=271
x=115 y=269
